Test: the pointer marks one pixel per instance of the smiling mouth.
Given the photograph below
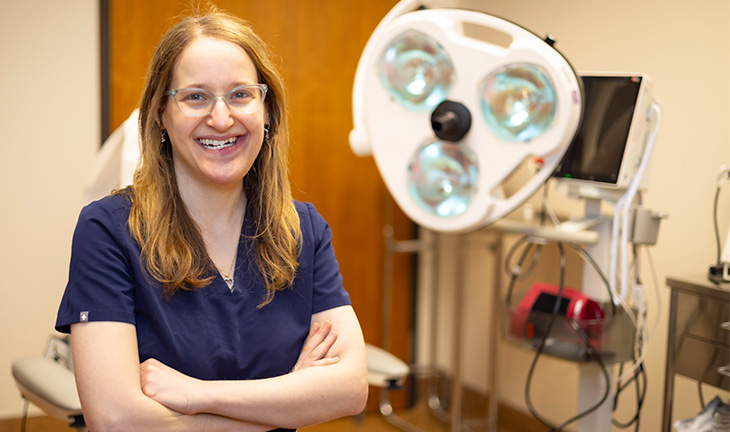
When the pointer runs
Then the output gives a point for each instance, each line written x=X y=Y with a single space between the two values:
x=217 y=144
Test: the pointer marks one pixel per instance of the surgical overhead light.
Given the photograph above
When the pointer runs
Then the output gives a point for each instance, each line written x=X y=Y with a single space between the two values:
x=452 y=103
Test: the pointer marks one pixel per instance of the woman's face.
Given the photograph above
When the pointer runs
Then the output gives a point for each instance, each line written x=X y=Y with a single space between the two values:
x=216 y=150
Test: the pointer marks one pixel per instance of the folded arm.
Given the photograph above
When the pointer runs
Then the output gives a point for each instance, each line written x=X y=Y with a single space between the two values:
x=323 y=385
x=328 y=381
x=106 y=365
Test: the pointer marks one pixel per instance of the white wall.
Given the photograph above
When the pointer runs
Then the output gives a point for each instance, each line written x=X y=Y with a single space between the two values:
x=50 y=120
x=685 y=48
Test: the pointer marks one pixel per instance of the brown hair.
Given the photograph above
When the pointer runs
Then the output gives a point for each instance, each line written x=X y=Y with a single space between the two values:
x=172 y=245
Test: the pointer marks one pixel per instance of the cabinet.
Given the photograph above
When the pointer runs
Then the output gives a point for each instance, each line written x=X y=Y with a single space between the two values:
x=698 y=344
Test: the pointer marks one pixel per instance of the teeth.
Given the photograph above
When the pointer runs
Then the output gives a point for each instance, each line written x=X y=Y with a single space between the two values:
x=211 y=143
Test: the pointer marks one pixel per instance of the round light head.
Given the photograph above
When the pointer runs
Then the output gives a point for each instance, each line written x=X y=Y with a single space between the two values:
x=518 y=102
x=442 y=177
x=416 y=60
x=416 y=70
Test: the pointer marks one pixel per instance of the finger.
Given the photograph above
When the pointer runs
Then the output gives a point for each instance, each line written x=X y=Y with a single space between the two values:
x=314 y=329
x=320 y=351
x=147 y=363
x=309 y=344
x=318 y=335
x=325 y=361
x=322 y=332
x=319 y=342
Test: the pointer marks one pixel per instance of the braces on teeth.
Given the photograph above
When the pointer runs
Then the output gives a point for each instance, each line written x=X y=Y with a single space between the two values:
x=210 y=143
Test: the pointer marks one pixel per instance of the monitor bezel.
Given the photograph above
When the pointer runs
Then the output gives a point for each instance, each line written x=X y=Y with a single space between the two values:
x=632 y=150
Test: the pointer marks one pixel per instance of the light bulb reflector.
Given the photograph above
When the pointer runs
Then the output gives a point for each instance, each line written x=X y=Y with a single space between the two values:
x=518 y=102
x=442 y=177
x=416 y=71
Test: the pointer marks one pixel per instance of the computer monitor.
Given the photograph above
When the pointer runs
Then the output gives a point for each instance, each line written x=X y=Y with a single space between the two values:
x=606 y=151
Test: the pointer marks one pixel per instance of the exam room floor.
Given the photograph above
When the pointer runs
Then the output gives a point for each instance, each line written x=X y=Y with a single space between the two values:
x=508 y=421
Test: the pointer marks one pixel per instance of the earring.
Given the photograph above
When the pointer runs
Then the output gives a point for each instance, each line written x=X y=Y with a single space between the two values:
x=266 y=131
x=163 y=136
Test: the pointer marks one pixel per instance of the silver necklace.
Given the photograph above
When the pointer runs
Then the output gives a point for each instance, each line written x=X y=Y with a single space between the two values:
x=229 y=278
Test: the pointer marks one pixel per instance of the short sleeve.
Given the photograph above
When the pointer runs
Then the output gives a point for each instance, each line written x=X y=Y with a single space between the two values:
x=101 y=275
x=327 y=289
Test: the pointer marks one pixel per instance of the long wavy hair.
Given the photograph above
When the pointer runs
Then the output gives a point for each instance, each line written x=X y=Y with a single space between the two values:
x=172 y=245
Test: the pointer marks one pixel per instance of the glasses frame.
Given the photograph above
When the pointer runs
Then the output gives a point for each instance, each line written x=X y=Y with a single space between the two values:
x=215 y=98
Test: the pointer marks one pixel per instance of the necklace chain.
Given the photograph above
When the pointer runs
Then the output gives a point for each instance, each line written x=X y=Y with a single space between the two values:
x=229 y=278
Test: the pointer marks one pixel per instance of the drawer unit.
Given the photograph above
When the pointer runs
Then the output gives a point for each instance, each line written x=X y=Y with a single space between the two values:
x=703 y=317
x=702 y=361
x=698 y=344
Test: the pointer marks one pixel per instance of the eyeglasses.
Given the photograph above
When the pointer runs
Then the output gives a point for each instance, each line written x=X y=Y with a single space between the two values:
x=195 y=102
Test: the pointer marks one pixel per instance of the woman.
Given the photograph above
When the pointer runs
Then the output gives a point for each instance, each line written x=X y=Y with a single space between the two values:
x=205 y=271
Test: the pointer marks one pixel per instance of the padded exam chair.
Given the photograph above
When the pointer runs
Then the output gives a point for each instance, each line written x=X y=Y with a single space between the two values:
x=47 y=381
x=389 y=373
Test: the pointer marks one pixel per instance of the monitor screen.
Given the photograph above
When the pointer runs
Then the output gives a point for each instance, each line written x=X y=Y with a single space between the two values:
x=598 y=147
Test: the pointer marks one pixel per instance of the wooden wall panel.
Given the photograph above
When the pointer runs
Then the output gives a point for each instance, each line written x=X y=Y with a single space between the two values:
x=319 y=43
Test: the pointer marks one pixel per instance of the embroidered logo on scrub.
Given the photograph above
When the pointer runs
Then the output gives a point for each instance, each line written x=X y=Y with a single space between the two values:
x=84 y=316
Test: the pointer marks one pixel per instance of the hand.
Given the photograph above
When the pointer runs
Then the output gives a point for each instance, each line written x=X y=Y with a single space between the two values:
x=167 y=386
x=318 y=343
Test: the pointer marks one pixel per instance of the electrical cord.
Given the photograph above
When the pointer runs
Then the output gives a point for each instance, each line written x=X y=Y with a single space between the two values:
x=543 y=340
x=638 y=369
x=589 y=259
x=590 y=351
x=634 y=266
x=699 y=391
x=657 y=294
x=715 y=223
x=724 y=175
x=516 y=272
x=639 y=374
x=714 y=273
x=547 y=209
x=639 y=321
x=637 y=365
x=704 y=375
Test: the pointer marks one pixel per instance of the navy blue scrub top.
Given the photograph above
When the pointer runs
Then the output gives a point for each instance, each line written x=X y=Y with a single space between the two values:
x=209 y=333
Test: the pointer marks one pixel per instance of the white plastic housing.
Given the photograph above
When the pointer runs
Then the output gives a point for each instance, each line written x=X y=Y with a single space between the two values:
x=392 y=133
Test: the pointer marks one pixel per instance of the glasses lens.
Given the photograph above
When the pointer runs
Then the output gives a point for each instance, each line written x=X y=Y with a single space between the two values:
x=245 y=99
x=519 y=102
x=193 y=102
x=443 y=177
x=416 y=70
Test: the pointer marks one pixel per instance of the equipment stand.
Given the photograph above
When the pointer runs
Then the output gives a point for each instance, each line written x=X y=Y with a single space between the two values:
x=592 y=383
